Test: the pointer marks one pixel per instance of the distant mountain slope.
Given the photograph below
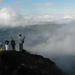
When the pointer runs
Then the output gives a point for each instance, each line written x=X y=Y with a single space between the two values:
x=35 y=34
x=24 y=63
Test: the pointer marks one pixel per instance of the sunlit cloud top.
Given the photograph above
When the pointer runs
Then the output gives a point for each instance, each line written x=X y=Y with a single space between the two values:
x=27 y=12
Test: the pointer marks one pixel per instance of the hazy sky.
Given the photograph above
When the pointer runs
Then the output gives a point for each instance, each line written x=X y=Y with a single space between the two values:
x=40 y=6
x=23 y=12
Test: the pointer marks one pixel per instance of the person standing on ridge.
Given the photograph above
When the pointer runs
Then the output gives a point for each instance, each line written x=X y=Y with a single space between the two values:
x=6 y=45
x=13 y=44
x=1 y=46
x=21 y=42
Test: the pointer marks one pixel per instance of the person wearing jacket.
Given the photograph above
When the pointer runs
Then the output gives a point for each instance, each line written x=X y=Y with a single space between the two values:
x=21 y=42
x=13 y=44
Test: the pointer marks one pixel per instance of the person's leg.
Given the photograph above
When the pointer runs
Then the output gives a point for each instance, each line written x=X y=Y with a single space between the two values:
x=19 y=47
x=0 y=48
x=22 y=46
x=6 y=46
x=13 y=47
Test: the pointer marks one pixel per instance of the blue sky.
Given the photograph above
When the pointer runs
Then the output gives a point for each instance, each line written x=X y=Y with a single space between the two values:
x=41 y=6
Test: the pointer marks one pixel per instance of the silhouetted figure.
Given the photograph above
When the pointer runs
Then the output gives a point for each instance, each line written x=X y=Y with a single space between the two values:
x=13 y=44
x=21 y=41
x=1 y=46
x=6 y=45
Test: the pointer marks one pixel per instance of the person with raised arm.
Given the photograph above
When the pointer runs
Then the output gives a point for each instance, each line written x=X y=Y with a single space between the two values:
x=21 y=41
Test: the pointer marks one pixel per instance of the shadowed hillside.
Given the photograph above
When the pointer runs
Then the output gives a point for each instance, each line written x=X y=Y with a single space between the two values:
x=24 y=63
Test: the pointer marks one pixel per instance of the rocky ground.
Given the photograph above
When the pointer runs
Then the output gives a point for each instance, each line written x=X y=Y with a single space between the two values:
x=24 y=63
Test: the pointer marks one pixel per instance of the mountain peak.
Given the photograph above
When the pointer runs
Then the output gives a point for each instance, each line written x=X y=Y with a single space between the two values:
x=24 y=63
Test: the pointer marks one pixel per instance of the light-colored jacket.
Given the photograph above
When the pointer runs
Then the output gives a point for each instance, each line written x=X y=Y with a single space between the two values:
x=21 y=39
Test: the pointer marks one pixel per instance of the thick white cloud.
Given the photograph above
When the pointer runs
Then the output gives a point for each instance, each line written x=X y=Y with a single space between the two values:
x=8 y=17
x=37 y=19
x=61 y=42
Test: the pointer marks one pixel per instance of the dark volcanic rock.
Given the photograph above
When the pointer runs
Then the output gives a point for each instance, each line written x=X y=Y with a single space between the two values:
x=24 y=63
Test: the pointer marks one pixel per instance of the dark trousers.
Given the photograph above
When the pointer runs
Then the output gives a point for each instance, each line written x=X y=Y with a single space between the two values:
x=13 y=47
x=20 y=46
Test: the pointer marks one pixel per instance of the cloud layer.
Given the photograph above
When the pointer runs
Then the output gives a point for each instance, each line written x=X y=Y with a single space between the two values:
x=52 y=40
x=61 y=43
x=8 y=17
